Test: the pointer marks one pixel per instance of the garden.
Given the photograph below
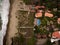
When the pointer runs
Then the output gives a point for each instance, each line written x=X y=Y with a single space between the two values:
x=44 y=20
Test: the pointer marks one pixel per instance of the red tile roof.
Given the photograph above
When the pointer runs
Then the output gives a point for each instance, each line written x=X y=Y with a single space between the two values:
x=58 y=20
x=48 y=14
x=56 y=34
x=38 y=14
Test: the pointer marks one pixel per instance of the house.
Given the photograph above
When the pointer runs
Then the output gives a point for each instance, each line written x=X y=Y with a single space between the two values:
x=56 y=34
x=48 y=14
x=38 y=15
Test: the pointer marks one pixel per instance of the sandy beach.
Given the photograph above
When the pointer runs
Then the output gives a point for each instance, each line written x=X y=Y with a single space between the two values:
x=12 y=28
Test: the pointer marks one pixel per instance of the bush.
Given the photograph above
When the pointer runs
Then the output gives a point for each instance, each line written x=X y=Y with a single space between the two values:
x=48 y=42
x=18 y=40
x=37 y=30
x=31 y=41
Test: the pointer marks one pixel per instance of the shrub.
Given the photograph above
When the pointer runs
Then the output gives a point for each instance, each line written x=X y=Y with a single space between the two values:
x=31 y=41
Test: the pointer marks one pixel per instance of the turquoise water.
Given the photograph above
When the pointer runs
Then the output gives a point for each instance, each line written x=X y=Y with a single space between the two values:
x=4 y=11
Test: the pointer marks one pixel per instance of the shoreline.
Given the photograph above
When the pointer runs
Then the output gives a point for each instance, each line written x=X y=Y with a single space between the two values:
x=11 y=27
x=7 y=29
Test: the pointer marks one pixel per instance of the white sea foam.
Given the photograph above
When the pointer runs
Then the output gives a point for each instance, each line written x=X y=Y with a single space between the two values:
x=4 y=14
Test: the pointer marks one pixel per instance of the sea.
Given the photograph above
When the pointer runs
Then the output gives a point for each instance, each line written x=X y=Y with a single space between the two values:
x=4 y=11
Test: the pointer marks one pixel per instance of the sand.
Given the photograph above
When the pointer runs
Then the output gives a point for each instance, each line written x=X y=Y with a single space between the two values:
x=12 y=23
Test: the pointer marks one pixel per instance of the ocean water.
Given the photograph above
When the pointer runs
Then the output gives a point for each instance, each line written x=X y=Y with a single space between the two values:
x=4 y=11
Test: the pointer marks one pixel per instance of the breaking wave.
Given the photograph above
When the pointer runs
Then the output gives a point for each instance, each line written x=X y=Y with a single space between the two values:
x=4 y=10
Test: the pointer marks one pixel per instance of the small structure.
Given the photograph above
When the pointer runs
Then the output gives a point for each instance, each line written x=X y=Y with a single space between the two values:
x=48 y=14
x=58 y=20
x=39 y=13
x=55 y=36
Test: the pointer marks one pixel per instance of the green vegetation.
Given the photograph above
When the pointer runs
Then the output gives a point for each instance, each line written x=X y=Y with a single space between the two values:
x=20 y=39
x=25 y=19
x=31 y=19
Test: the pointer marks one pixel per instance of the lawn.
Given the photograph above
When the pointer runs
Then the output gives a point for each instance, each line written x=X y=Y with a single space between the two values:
x=25 y=19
